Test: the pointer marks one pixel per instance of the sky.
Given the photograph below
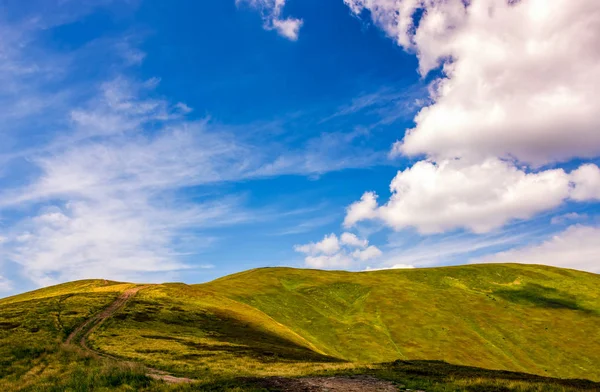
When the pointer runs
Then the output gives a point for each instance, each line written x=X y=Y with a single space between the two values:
x=153 y=141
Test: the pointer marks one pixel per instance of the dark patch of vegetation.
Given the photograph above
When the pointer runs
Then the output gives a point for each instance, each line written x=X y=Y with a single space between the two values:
x=8 y=325
x=160 y=337
x=443 y=372
x=541 y=296
x=276 y=353
x=140 y=317
x=24 y=352
x=196 y=356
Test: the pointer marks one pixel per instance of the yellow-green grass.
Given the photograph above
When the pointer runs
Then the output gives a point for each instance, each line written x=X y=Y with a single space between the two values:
x=77 y=287
x=194 y=332
x=290 y=322
x=34 y=325
x=527 y=318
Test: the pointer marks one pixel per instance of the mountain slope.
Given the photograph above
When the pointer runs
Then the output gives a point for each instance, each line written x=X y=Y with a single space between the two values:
x=536 y=319
x=283 y=321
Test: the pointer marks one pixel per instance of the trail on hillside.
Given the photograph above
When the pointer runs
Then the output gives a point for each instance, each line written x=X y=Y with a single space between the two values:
x=80 y=335
x=329 y=384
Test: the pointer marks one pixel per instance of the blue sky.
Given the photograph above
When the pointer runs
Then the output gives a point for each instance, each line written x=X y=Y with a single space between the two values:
x=185 y=141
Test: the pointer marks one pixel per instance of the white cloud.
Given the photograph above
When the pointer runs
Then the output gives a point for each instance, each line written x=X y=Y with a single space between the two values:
x=104 y=199
x=119 y=109
x=519 y=77
x=392 y=16
x=577 y=247
x=110 y=239
x=436 y=197
x=272 y=19
x=369 y=253
x=115 y=179
x=182 y=155
x=116 y=213
x=332 y=252
x=328 y=246
x=395 y=266
x=518 y=85
x=362 y=210
x=288 y=28
x=337 y=260
x=352 y=240
x=586 y=181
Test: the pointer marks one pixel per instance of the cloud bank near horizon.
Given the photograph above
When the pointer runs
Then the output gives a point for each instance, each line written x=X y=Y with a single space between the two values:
x=507 y=99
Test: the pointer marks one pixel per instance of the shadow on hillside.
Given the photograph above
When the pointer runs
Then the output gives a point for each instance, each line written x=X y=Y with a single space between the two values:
x=541 y=296
x=442 y=371
x=227 y=334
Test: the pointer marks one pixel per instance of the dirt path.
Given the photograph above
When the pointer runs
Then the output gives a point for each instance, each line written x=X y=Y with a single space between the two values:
x=331 y=384
x=98 y=319
x=92 y=324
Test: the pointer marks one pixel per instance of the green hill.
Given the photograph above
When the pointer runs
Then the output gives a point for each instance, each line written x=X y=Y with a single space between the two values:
x=527 y=318
x=287 y=322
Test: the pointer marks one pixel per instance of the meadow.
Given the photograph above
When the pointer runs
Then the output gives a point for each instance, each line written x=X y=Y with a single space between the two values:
x=481 y=327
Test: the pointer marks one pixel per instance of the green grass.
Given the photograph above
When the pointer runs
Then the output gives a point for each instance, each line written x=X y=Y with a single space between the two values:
x=445 y=325
x=533 y=319
x=36 y=323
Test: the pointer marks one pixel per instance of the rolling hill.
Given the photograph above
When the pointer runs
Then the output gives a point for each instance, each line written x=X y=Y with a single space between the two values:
x=421 y=327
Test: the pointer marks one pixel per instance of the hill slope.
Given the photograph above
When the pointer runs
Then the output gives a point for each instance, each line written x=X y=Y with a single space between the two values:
x=536 y=319
x=282 y=321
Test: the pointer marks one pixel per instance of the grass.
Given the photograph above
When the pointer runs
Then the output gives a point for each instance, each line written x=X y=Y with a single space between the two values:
x=70 y=369
x=434 y=329
x=533 y=319
x=36 y=323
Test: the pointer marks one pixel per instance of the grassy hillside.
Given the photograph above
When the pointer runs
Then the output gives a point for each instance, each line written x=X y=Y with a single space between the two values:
x=535 y=319
x=289 y=322
x=33 y=325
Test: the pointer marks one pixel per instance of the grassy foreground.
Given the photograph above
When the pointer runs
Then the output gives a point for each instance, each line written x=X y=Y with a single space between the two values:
x=406 y=326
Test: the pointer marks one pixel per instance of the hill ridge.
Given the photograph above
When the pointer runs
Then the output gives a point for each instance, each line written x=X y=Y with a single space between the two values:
x=285 y=321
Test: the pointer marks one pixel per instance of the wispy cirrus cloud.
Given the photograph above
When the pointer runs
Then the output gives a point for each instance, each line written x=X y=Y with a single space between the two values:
x=444 y=249
x=123 y=183
x=307 y=224
x=568 y=217
x=107 y=198
x=106 y=203
x=386 y=105
x=326 y=152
